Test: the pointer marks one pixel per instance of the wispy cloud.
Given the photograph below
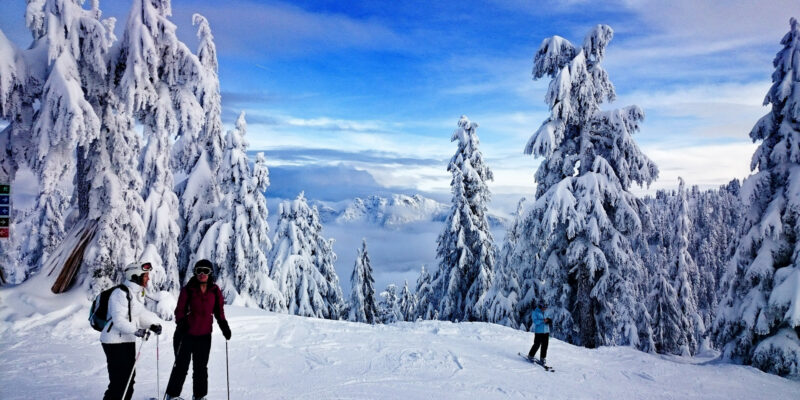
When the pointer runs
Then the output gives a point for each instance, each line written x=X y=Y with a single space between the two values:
x=706 y=166
x=304 y=155
x=252 y=29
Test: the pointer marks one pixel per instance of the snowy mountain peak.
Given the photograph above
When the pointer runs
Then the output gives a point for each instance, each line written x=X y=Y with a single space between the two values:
x=395 y=211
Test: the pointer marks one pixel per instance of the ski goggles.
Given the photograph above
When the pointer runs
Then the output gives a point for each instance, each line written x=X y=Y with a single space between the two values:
x=146 y=267
x=202 y=270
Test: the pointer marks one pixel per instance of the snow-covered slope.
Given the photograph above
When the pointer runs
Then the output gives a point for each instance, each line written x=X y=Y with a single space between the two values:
x=52 y=353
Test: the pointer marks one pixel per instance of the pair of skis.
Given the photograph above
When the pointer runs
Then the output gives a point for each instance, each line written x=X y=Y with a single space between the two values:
x=536 y=361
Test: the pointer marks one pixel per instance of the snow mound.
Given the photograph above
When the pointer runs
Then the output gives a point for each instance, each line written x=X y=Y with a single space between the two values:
x=278 y=356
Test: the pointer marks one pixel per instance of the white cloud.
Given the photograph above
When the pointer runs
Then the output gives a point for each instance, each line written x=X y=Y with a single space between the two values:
x=714 y=21
x=254 y=29
x=706 y=166
x=692 y=114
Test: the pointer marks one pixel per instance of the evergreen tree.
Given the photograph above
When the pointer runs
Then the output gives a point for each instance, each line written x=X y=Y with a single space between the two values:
x=666 y=315
x=65 y=118
x=505 y=287
x=686 y=275
x=238 y=239
x=200 y=193
x=426 y=304
x=465 y=246
x=362 y=298
x=408 y=304
x=390 y=305
x=760 y=304
x=152 y=55
x=302 y=263
x=585 y=219
x=19 y=87
x=677 y=323
x=716 y=217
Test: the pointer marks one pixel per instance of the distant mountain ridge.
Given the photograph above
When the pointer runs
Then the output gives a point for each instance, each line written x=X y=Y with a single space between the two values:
x=390 y=212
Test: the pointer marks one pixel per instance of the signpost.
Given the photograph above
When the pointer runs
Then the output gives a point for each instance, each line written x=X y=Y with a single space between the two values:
x=5 y=211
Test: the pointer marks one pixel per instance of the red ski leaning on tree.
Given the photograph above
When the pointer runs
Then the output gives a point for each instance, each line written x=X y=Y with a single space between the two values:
x=199 y=300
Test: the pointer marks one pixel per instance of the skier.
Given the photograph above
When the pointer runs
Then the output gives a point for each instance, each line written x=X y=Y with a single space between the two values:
x=127 y=317
x=542 y=320
x=198 y=301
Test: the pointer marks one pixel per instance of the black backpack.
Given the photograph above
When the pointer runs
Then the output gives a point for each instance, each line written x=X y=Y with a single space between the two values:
x=98 y=313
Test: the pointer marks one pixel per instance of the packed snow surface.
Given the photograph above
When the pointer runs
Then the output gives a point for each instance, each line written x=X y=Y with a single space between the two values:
x=48 y=350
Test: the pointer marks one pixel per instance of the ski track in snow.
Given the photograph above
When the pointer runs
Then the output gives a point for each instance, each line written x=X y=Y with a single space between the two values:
x=277 y=356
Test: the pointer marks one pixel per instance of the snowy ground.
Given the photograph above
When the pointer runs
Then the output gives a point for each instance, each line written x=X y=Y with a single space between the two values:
x=53 y=354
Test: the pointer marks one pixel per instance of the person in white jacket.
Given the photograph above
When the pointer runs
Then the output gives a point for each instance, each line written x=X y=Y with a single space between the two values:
x=128 y=319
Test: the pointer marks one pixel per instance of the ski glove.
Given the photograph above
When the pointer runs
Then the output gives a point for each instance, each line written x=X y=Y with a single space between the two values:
x=183 y=327
x=226 y=330
x=156 y=328
x=140 y=333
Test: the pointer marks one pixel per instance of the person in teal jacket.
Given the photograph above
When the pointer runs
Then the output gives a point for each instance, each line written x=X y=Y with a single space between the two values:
x=542 y=320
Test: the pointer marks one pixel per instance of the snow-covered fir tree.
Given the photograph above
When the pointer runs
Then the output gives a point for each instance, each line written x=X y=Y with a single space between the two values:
x=363 y=307
x=716 y=217
x=152 y=56
x=237 y=242
x=19 y=87
x=584 y=218
x=66 y=33
x=407 y=303
x=200 y=152
x=389 y=307
x=465 y=246
x=760 y=300
x=677 y=323
x=665 y=314
x=686 y=275
x=302 y=263
x=505 y=287
x=426 y=302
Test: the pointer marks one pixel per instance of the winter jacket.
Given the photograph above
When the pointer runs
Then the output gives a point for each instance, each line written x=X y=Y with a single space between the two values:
x=538 y=320
x=119 y=329
x=195 y=308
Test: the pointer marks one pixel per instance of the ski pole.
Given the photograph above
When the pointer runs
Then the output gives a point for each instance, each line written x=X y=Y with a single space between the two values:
x=177 y=352
x=158 y=371
x=227 y=372
x=133 y=368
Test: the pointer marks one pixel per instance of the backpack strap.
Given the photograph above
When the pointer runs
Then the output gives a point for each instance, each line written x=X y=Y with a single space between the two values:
x=128 y=296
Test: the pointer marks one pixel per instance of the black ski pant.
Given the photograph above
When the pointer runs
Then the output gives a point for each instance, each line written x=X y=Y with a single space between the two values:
x=539 y=339
x=121 y=358
x=194 y=349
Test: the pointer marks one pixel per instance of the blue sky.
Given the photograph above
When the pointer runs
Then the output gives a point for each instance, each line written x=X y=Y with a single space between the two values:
x=342 y=88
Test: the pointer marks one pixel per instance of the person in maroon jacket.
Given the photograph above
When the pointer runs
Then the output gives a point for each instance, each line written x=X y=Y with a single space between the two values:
x=198 y=301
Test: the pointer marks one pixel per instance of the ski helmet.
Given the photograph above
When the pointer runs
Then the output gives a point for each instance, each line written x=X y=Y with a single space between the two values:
x=134 y=270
